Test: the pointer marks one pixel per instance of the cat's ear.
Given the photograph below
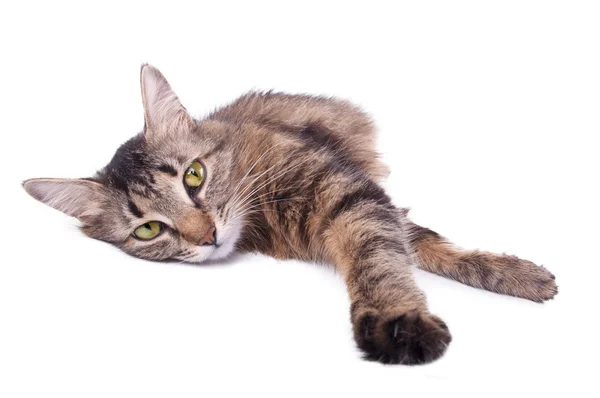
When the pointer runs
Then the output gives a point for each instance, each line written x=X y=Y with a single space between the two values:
x=77 y=198
x=163 y=111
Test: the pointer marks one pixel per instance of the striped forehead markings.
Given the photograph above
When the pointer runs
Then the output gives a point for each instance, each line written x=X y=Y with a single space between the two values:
x=167 y=168
x=134 y=209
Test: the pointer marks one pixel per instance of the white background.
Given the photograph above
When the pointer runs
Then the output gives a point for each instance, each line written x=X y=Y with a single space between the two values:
x=489 y=118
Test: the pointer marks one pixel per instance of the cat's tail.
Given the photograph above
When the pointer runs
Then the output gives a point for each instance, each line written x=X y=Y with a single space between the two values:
x=498 y=273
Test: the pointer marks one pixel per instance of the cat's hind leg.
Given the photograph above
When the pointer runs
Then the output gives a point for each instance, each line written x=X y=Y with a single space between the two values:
x=500 y=273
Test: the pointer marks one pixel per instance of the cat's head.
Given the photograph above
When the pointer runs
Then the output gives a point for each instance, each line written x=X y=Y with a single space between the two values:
x=168 y=193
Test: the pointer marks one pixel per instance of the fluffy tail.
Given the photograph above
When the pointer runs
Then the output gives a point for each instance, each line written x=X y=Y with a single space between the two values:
x=498 y=273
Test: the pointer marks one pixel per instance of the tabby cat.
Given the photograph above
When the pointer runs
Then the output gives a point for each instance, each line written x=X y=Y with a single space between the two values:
x=294 y=177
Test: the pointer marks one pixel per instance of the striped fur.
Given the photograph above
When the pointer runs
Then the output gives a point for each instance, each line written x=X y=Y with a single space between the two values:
x=294 y=177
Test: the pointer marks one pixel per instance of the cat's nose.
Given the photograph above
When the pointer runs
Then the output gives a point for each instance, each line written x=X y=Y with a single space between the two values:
x=210 y=237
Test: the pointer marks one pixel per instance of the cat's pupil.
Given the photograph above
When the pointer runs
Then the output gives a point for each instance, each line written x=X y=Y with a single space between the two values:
x=192 y=172
x=147 y=226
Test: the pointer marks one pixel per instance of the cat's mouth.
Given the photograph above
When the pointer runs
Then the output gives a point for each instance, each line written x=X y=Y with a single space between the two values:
x=219 y=247
x=207 y=253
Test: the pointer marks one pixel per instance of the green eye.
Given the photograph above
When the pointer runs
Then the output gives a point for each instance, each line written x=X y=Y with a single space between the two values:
x=148 y=230
x=194 y=176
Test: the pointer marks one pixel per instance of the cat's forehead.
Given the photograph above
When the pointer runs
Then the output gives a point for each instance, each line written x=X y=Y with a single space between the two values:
x=141 y=180
x=153 y=169
x=136 y=164
x=130 y=164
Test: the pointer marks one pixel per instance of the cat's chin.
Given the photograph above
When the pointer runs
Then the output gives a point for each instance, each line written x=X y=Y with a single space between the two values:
x=216 y=253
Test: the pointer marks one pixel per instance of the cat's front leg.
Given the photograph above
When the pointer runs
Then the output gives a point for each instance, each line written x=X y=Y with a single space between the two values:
x=389 y=312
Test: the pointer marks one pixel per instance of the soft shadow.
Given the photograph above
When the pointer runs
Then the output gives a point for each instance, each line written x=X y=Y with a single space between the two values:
x=230 y=260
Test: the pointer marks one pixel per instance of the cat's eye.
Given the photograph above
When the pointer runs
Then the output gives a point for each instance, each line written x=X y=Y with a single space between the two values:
x=194 y=175
x=148 y=231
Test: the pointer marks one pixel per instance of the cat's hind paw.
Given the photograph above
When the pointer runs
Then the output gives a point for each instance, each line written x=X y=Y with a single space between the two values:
x=522 y=278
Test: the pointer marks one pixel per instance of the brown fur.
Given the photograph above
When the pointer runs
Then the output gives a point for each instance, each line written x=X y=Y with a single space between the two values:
x=294 y=177
x=503 y=274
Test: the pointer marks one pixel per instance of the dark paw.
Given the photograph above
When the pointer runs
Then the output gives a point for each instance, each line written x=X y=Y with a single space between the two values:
x=409 y=337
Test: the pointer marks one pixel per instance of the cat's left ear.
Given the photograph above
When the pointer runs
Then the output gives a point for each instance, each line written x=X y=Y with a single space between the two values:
x=79 y=198
x=163 y=111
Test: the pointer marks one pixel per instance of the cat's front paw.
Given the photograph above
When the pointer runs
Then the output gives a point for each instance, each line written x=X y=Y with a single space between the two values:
x=403 y=337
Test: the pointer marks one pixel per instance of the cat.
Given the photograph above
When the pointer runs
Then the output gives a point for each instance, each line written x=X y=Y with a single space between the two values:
x=293 y=177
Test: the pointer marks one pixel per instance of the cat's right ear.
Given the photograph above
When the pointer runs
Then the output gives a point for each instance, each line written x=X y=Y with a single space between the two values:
x=75 y=197
x=163 y=112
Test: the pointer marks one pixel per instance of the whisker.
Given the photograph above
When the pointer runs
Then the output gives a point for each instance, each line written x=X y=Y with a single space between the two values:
x=257 y=177
x=240 y=199
x=279 y=174
x=252 y=168
x=256 y=208
x=247 y=200
x=241 y=205
x=251 y=205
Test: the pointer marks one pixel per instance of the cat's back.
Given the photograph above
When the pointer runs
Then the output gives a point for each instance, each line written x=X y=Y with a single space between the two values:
x=327 y=120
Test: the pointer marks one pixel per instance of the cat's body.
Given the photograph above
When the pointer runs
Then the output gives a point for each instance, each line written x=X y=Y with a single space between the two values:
x=290 y=176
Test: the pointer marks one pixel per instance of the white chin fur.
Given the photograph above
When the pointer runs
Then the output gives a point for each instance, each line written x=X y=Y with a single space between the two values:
x=227 y=236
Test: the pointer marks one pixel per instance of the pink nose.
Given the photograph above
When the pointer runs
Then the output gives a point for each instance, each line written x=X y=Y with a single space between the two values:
x=209 y=238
